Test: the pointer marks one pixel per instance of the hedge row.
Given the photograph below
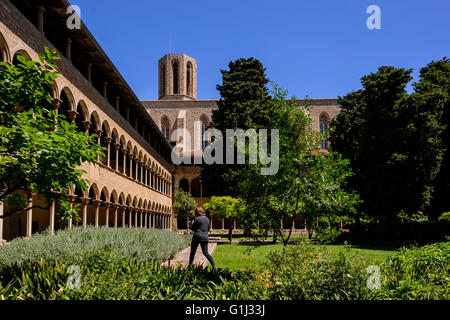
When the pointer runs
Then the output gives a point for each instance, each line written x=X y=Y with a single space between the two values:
x=143 y=244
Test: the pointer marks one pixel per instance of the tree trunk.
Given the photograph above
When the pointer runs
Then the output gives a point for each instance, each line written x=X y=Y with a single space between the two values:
x=230 y=234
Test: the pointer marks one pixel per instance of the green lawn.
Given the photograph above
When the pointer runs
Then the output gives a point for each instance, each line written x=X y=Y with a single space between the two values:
x=248 y=256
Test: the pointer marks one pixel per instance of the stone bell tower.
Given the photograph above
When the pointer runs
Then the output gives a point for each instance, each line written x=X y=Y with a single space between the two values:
x=177 y=77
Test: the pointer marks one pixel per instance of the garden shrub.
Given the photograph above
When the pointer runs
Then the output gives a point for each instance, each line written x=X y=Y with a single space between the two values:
x=142 y=244
x=106 y=275
x=418 y=273
x=308 y=272
x=444 y=217
x=328 y=235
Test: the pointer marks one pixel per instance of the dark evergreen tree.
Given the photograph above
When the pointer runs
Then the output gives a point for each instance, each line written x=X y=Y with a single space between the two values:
x=434 y=87
x=394 y=142
x=243 y=94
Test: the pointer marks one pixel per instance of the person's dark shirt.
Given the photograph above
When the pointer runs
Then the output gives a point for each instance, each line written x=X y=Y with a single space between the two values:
x=201 y=227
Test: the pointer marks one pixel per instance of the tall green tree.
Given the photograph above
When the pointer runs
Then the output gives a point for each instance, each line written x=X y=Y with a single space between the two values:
x=307 y=184
x=393 y=140
x=433 y=88
x=40 y=151
x=243 y=95
x=184 y=205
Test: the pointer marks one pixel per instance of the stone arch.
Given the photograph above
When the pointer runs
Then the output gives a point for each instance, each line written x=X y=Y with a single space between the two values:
x=122 y=198
x=104 y=195
x=114 y=197
x=20 y=52
x=106 y=129
x=93 y=192
x=115 y=136
x=184 y=185
x=129 y=201
x=67 y=103
x=4 y=50
x=95 y=121
x=196 y=186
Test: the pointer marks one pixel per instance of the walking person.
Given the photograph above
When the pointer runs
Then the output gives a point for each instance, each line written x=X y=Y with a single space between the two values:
x=200 y=226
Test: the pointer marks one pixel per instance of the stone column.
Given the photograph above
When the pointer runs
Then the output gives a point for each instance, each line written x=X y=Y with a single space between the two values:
x=142 y=173
x=145 y=218
x=116 y=208
x=69 y=49
x=86 y=125
x=130 y=217
x=123 y=216
x=84 y=202
x=117 y=147
x=107 y=206
x=141 y=213
x=154 y=220
x=99 y=134
x=124 y=151
x=72 y=115
x=40 y=19
x=135 y=219
x=97 y=207
x=223 y=224
x=29 y=216
x=108 y=144
x=70 y=222
x=146 y=175
x=52 y=217
x=131 y=156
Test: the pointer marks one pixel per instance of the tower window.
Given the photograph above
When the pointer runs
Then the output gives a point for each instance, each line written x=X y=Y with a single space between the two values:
x=175 y=77
x=205 y=124
x=189 y=79
x=324 y=120
x=165 y=127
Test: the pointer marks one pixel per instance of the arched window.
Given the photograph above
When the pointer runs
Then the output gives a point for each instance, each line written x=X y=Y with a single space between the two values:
x=196 y=187
x=162 y=81
x=324 y=120
x=205 y=124
x=175 y=77
x=165 y=127
x=20 y=53
x=4 y=52
x=189 y=79
x=184 y=185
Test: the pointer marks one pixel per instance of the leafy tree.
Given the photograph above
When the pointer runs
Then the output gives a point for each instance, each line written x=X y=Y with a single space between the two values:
x=184 y=205
x=324 y=192
x=225 y=207
x=40 y=152
x=243 y=95
x=434 y=84
x=270 y=198
x=393 y=142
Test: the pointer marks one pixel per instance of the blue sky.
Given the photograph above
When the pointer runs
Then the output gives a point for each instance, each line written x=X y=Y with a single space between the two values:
x=319 y=48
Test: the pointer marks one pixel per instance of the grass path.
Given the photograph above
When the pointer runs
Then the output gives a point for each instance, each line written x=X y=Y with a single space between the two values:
x=248 y=256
